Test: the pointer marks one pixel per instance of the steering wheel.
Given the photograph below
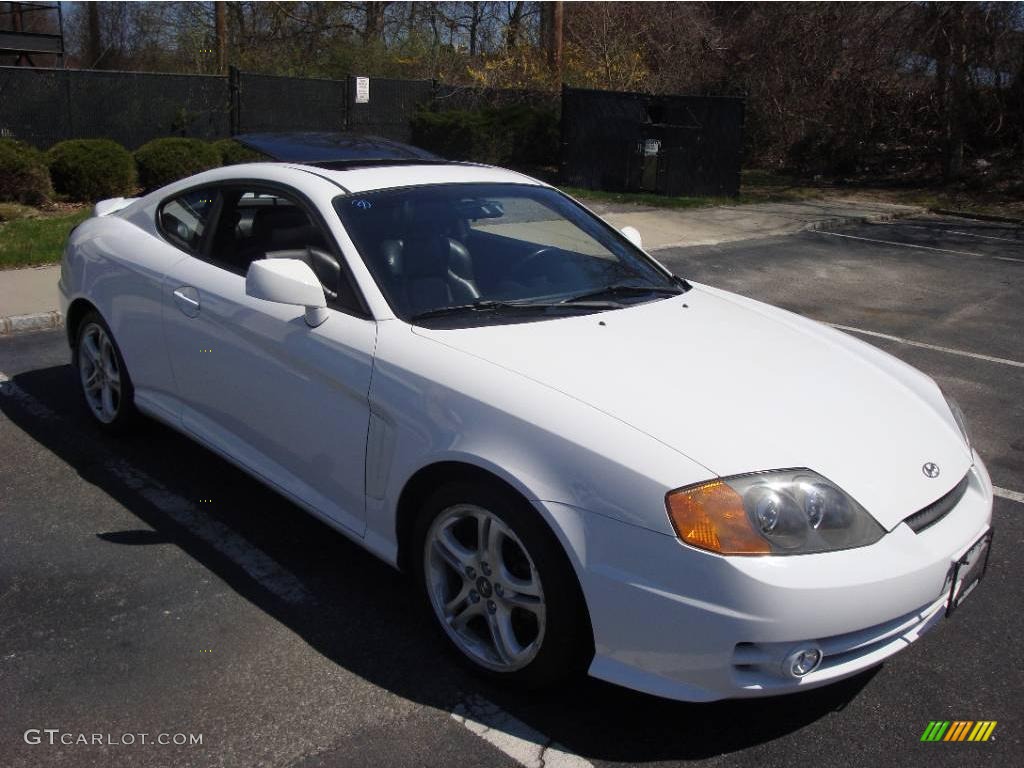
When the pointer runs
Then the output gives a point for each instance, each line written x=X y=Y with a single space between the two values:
x=516 y=272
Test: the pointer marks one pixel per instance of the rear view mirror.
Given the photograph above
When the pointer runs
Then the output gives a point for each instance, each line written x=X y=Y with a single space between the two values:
x=288 y=281
x=323 y=263
x=481 y=209
x=633 y=235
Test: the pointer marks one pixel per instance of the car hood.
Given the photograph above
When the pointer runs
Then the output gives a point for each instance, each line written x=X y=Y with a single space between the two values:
x=739 y=387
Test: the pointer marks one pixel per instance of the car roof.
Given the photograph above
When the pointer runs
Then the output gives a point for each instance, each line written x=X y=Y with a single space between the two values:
x=367 y=179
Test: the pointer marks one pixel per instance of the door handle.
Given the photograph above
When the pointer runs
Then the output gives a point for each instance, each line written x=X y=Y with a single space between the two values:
x=187 y=299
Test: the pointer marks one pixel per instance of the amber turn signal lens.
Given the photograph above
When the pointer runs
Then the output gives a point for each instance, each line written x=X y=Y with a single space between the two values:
x=711 y=516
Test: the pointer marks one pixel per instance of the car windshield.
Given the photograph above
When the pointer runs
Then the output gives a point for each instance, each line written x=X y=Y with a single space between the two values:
x=503 y=251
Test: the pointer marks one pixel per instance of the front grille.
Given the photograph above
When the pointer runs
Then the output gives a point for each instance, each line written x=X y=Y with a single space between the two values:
x=938 y=509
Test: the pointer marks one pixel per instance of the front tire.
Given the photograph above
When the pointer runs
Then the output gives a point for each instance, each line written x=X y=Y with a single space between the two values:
x=102 y=376
x=500 y=587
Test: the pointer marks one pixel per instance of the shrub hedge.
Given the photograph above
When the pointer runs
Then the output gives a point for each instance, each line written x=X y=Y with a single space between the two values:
x=517 y=136
x=24 y=177
x=233 y=153
x=91 y=169
x=162 y=161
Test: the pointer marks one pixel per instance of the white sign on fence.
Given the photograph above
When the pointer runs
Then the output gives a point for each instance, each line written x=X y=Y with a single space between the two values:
x=362 y=90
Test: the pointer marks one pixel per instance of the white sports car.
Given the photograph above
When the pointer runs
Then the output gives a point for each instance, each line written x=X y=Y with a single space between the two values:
x=585 y=462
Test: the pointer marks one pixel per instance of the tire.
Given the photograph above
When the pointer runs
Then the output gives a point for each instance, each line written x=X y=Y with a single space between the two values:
x=514 y=614
x=102 y=375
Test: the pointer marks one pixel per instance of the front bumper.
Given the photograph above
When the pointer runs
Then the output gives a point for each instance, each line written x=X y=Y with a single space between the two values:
x=686 y=624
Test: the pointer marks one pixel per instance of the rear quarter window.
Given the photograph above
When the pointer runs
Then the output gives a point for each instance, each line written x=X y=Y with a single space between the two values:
x=183 y=219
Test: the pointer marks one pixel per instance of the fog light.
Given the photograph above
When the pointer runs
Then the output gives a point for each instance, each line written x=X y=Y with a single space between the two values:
x=801 y=661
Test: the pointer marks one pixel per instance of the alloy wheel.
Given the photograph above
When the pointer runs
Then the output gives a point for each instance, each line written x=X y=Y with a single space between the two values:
x=484 y=588
x=99 y=373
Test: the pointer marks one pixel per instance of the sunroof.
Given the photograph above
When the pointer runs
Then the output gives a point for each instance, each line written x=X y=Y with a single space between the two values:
x=335 y=150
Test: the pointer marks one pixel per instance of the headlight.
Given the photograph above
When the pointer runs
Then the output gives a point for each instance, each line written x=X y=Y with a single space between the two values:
x=958 y=416
x=785 y=512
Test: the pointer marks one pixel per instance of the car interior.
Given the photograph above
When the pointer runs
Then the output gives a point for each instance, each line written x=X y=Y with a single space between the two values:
x=255 y=225
x=430 y=253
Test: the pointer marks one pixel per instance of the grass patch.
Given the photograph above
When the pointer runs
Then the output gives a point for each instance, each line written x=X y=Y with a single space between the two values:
x=646 y=198
x=756 y=187
x=29 y=237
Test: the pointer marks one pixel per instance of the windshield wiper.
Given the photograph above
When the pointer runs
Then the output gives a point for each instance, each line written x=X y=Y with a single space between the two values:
x=624 y=290
x=491 y=305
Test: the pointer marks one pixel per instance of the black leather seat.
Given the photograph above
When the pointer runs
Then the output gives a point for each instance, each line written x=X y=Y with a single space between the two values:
x=430 y=271
x=279 y=228
x=427 y=268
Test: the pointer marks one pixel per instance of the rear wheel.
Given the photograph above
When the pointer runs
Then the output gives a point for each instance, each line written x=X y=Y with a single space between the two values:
x=105 y=384
x=500 y=587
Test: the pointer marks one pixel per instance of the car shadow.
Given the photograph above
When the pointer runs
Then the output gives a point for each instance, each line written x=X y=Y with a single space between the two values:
x=356 y=610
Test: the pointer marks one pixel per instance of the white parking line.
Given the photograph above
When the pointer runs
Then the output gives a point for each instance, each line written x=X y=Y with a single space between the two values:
x=524 y=744
x=1014 y=240
x=890 y=242
x=923 y=345
x=933 y=228
x=1003 y=493
x=260 y=566
x=1008 y=258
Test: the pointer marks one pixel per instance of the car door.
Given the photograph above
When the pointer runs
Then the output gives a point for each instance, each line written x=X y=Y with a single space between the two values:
x=286 y=401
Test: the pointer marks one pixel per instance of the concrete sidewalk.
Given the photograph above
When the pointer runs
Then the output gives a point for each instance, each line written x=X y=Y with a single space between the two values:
x=28 y=297
x=669 y=228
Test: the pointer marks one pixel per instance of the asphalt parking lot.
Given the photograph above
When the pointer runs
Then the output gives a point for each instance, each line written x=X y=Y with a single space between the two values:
x=146 y=586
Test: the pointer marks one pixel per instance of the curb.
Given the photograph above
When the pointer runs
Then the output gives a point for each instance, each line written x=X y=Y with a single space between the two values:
x=37 y=321
x=977 y=216
x=833 y=223
x=872 y=218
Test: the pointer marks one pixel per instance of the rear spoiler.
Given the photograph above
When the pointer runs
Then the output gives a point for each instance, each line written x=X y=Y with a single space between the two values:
x=107 y=207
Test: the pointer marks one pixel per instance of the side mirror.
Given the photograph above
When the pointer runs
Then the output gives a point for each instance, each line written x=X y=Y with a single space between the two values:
x=287 y=281
x=633 y=235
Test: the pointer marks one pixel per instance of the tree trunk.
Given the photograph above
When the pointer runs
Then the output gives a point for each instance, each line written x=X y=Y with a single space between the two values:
x=94 y=48
x=221 y=24
x=514 y=25
x=374 y=21
x=961 y=96
x=546 y=9
x=555 y=42
x=475 y=15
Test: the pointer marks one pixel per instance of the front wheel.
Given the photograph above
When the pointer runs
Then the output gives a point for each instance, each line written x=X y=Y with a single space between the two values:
x=500 y=587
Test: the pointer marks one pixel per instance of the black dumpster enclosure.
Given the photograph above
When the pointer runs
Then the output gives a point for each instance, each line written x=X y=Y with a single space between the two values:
x=636 y=142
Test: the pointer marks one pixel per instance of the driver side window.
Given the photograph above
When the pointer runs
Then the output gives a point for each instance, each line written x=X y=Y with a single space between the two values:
x=266 y=224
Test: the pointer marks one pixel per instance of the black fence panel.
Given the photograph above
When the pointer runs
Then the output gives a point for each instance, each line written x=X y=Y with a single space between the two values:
x=33 y=105
x=671 y=145
x=272 y=103
x=133 y=108
x=388 y=107
x=44 y=106
x=600 y=135
x=451 y=97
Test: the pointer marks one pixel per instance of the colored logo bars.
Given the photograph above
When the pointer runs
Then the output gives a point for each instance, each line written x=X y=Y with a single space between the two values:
x=958 y=730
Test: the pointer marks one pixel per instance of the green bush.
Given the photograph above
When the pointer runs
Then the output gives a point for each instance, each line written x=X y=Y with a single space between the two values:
x=23 y=174
x=162 y=161
x=233 y=153
x=516 y=136
x=91 y=169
